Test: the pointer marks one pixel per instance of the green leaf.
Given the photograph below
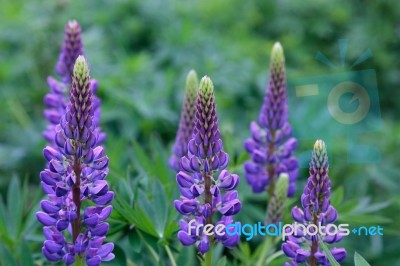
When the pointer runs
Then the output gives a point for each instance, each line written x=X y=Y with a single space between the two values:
x=160 y=165
x=134 y=241
x=3 y=228
x=6 y=257
x=134 y=215
x=186 y=256
x=15 y=207
x=328 y=253
x=222 y=261
x=142 y=161
x=359 y=260
x=161 y=205
x=337 y=196
x=120 y=257
x=26 y=256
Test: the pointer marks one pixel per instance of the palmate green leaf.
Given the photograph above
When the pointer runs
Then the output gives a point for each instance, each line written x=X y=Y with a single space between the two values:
x=328 y=253
x=148 y=207
x=171 y=228
x=134 y=215
x=359 y=260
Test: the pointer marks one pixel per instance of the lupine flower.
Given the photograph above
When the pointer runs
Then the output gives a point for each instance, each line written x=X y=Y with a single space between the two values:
x=271 y=145
x=316 y=208
x=186 y=123
x=76 y=173
x=203 y=195
x=277 y=202
x=56 y=100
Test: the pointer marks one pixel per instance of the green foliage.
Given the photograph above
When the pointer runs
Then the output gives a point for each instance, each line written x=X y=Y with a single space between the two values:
x=18 y=224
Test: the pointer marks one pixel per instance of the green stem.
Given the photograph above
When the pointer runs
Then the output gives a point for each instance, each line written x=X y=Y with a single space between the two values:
x=264 y=251
x=208 y=257
x=79 y=261
x=170 y=256
x=152 y=251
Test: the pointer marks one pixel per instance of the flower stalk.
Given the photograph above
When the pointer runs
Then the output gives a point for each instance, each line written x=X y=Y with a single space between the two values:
x=186 y=123
x=57 y=99
x=75 y=174
x=316 y=210
x=271 y=144
x=202 y=195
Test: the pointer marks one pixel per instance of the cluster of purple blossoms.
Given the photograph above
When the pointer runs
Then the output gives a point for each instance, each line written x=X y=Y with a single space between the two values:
x=201 y=194
x=75 y=173
x=57 y=99
x=186 y=123
x=271 y=145
x=317 y=210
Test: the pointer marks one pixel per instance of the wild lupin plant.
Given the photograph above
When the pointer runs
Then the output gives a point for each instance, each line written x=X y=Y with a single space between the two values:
x=271 y=145
x=75 y=174
x=277 y=202
x=186 y=123
x=203 y=195
x=57 y=99
x=316 y=210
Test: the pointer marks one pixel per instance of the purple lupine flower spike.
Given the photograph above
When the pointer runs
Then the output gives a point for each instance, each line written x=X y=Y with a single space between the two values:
x=76 y=172
x=271 y=145
x=186 y=123
x=316 y=209
x=70 y=50
x=277 y=202
x=57 y=99
x=206 y=186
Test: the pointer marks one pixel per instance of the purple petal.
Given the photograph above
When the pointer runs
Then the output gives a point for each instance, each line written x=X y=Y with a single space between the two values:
x=45 y=219
x=105 y=249
x=51 y=256
x=186 y=239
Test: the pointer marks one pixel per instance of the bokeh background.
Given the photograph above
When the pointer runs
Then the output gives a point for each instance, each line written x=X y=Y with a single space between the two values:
x=140 y=52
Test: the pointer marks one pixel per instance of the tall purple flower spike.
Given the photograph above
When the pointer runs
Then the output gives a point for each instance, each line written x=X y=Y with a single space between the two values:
x=202 y=195
x=316 y=208
x=75 y=173
x=186 y=123
x=57 y=99
x=271 y=145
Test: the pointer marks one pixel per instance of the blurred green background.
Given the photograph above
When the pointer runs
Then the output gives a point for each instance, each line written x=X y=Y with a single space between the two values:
x=141 y=51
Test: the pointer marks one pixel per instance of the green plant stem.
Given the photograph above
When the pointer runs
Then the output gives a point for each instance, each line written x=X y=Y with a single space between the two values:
x=208 y=256
x=79 y=261
x=152 y=251
x=264 y=251
x=170 y=256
